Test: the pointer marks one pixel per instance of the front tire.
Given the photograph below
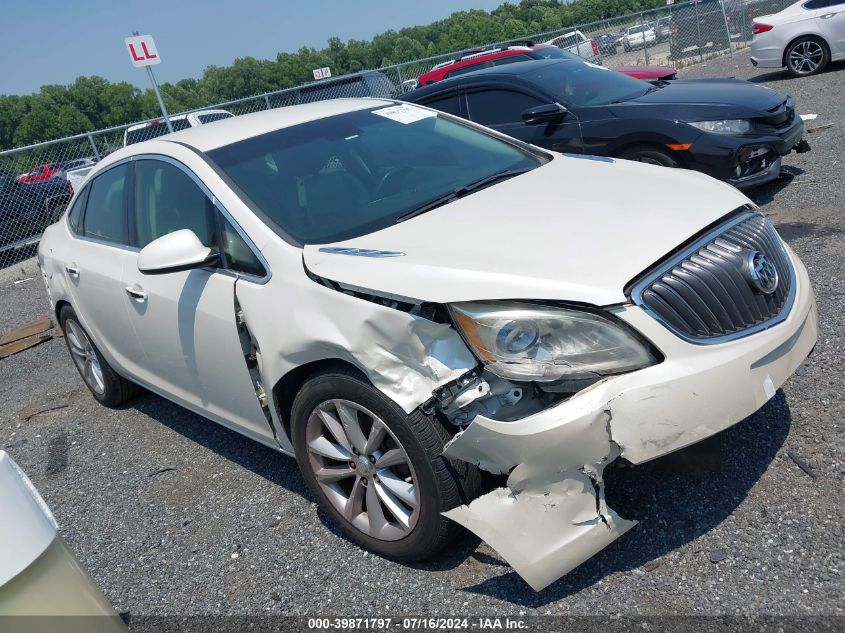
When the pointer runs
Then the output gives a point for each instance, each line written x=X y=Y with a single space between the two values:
x=378 y=472
x=650 y=155
x=102 y=381
x=806 y=56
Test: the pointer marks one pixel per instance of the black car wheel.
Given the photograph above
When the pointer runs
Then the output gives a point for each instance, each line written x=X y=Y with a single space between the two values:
x=377 y=472
x=650 y=155
x=806 y=56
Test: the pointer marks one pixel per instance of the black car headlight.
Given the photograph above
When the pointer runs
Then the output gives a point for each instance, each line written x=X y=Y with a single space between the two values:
x=525 y=341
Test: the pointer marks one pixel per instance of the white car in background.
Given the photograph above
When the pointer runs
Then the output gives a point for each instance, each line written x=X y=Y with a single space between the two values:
x=39 y=575
x=158 y=127
x=804 y=37
x=638 y=36
x=400 y=298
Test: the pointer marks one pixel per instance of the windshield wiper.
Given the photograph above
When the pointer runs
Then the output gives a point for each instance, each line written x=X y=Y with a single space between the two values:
x=460 y=192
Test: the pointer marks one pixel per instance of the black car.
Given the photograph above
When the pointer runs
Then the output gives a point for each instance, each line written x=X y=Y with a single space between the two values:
x=26 y=209
x=730 y=129
x=608 y=43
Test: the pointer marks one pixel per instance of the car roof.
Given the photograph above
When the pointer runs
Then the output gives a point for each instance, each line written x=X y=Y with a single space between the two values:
x=227 y=131
x=508 y=70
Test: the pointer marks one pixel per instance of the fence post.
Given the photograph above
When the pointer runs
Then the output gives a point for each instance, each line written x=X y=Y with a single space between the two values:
x=698 y=42
x=645 y=44
x=727 y=29
x=93 y=146
x=267 y=101
x=401 y=81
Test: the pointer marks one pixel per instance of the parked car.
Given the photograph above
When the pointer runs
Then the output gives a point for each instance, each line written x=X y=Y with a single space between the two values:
x=638 y=36
x=500 y=57
x=410 y=356
x=77 y=163
x=42 y=173
x=697 y=27
x=648 y=73
x=662 y=28
x=370 y=83
x=39 y=575
x=730 y=129
x=27 y=209
x=577 y=43
x=608 y=43
x=804 y=37
x=158 y=127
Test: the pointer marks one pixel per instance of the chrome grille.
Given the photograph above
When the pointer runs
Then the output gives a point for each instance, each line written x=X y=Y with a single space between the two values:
x=705 y=294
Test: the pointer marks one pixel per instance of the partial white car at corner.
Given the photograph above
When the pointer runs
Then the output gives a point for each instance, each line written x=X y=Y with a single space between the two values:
x=804 y=37
x=400 y=299
x=40 y=577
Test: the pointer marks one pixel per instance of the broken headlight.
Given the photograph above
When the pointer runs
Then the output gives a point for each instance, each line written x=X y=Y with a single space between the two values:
x=524 y=341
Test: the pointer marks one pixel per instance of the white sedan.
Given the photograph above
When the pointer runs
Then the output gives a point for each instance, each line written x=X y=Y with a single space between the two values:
x=400 y=299
x=804 y=37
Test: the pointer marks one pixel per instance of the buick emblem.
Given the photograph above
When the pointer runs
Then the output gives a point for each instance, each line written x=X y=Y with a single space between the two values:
x=761 y=273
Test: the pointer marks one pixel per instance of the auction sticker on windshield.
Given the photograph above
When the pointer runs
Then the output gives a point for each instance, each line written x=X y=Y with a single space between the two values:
x=405 y=113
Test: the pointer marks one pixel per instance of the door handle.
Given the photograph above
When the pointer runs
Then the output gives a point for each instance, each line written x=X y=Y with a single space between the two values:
x=828 y=15
x=72 y=269
x=136 y=292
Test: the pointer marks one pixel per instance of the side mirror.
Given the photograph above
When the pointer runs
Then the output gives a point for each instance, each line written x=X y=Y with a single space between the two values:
x=548 y=113
x=174 y=252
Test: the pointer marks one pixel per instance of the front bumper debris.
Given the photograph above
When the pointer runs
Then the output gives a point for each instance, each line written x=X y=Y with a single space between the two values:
x=552 y=516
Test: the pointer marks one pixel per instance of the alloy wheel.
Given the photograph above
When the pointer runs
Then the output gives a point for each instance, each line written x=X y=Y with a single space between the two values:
x=362 y=469
x=806 y=57
x=84 y=356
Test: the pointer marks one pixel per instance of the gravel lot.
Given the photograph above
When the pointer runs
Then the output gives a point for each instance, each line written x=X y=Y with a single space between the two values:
x=174 y=515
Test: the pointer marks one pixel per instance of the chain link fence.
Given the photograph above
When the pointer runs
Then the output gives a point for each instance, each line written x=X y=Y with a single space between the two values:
x=38 y=181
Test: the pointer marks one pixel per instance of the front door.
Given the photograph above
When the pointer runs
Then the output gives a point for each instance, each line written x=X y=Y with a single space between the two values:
x=185 y=321
x=501 y=109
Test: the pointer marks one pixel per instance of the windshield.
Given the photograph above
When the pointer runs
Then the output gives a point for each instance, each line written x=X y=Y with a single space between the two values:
x=351 y=174
x=584 y=84
x=210 y=117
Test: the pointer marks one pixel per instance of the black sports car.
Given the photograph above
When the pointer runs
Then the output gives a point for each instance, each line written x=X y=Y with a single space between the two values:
x=730 y=129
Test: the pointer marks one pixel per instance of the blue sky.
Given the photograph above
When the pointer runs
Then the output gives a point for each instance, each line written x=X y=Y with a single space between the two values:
x=54 y=41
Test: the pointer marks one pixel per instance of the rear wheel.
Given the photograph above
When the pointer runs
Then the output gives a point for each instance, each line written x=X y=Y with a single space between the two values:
x=806 y=56
x=650 y=155
x=376 y=471
x=104 y=384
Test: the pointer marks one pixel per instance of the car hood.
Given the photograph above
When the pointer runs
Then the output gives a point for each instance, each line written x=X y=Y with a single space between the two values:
x=738 y=95
x=576 y=229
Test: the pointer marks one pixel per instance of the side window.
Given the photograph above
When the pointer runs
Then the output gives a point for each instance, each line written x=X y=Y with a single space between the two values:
x=447 y=104
x=236 y=254
x=167 y=200
x=104 y=216
x=816 y=4
x=491 y=107
x=75 y=213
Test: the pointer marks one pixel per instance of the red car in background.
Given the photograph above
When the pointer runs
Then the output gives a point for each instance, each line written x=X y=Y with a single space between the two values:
x=42 y=173
x=499 y=56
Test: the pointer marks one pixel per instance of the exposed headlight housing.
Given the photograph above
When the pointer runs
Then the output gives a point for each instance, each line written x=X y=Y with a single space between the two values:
x=726 y=126
x=528 y=342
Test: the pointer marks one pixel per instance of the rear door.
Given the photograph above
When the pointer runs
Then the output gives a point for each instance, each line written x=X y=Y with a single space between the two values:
x=92 y=265
x=185 y=321
x=501 y=107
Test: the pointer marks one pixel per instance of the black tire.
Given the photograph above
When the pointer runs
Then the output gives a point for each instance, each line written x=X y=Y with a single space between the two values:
x=806 y=56
x=440 y=483
x=651 y=155
x=116 y=390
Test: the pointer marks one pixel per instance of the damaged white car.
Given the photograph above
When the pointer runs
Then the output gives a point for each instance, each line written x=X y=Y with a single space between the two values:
x=403 y=299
